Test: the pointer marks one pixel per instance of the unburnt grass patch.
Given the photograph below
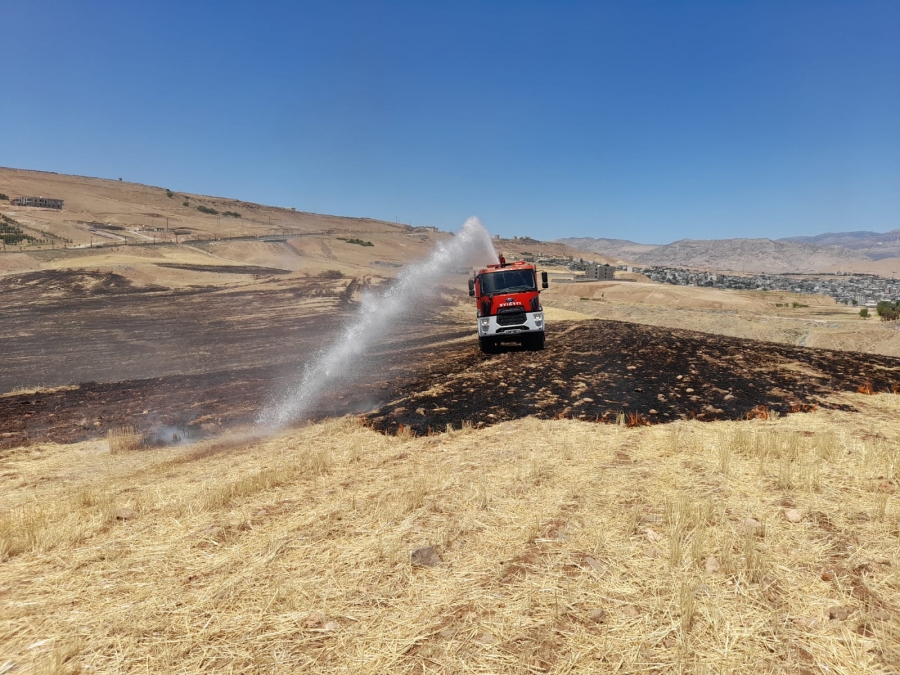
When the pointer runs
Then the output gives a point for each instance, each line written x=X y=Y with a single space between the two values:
x=551 y=552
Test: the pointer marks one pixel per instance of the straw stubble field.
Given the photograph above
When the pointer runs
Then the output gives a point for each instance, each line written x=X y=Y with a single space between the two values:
x=565 y=546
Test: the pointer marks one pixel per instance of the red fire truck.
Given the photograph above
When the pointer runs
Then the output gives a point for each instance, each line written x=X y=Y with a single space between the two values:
x=509 y=305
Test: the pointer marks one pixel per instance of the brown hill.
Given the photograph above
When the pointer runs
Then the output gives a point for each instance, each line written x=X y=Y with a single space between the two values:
x=109 y=211
x=799 y=254
x=620 y=249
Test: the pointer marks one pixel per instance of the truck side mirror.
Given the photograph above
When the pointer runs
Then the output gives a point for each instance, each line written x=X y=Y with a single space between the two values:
x=544 y=283
x=472 y=288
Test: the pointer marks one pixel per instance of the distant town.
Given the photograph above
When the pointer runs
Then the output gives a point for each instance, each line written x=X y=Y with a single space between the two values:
x=865 y=290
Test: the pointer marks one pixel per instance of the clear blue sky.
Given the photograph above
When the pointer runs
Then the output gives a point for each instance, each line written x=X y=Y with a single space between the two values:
x=650 y=121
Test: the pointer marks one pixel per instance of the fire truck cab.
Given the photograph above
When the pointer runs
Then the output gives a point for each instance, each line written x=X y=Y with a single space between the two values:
x=509 y=305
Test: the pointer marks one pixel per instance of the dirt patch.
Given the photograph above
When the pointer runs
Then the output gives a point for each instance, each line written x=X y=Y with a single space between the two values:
x=191 y=406
x=71 y=326
x=226 y=269
x=52 y=285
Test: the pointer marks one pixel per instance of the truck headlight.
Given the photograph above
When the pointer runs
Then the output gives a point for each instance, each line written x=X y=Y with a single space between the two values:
x=539 y=319
x=485 y=323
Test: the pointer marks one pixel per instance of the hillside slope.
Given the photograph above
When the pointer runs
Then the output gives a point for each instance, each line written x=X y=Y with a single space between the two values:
x=106 y=211
x=733 y=255
x=874 y=245
x=865 y=252
x=620 y=249
x=749 y=255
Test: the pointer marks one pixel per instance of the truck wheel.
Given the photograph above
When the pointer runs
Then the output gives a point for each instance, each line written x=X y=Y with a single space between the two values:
x=534 y=343
x=487 y=345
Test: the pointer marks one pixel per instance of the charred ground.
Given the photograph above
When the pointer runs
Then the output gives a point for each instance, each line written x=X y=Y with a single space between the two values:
x=436 y=376
x=595 y=370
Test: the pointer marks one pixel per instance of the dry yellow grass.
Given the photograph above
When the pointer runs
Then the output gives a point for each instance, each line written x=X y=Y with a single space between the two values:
x=566 y=547
x=39 y=389
x=123 y=439
x=825 y=327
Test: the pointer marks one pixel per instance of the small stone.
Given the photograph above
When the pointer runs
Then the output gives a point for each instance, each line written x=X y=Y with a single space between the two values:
x=678 y=377
x=729 y=397
x=123 y=513
x=653 y=411
x=881 y=614
x=654 y=553
x=631 y=367
x=752 y=525
x=447 y=633
x=594 y=564
x=839 y=613
x=653 y=536
x=420 y=411
x=331 y=626
x=588 y=400
x=631 y=611
x=597 y=614
x=711 y=565
x=702 y=589
x=486 y=639
x=793 y=515
x=689 y=390
x=804 y=622
x=315 y=619
x=425 y=556
x=213 y=532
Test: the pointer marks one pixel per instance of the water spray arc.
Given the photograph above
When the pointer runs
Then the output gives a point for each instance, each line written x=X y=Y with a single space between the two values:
x=378 y=314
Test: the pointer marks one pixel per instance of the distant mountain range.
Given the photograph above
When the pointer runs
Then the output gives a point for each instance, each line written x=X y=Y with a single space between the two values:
x=871 y=252
x=873 y=245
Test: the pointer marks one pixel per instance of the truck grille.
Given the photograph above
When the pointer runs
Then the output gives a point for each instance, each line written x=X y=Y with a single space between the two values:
x=511 y=317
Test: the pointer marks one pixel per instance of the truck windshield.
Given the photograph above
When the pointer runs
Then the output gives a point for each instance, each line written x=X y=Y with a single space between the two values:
x=507 y=281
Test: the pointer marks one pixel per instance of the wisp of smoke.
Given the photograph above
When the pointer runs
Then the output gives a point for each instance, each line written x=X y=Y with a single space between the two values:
x=378 y=314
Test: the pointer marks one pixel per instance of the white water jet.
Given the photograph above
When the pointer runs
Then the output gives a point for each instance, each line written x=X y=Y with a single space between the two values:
x=378 y=314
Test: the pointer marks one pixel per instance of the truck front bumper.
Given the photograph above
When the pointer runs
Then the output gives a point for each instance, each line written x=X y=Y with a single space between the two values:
x=488 y=326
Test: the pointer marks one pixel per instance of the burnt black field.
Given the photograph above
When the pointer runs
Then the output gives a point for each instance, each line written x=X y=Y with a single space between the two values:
x=595 y=370
x=590 y=370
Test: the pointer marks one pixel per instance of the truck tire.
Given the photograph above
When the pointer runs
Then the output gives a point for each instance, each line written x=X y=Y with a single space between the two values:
x=534 y=343
x=487 y=345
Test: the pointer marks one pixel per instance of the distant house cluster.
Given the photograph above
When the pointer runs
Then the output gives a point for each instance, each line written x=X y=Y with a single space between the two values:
x=42 y=202
x=856 y=289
